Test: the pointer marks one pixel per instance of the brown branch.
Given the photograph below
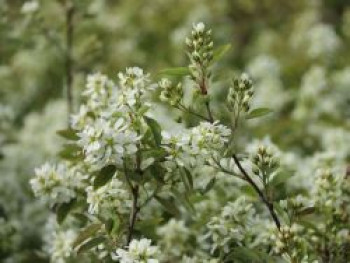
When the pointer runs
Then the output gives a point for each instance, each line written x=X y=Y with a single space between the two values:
x=263 y=198
x=69 y=8
x=133 y=213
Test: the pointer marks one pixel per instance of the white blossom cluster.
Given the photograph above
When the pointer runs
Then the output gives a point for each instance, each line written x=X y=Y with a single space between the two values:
x=111 y=197
x=107 y=134
x=57 y=184
x=107 y=142
x=58 y=241
x=232 y=225
x=198 y=145
x=138 y=251
x=173 y=236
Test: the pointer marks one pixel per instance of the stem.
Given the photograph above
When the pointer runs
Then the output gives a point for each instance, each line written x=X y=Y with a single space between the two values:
x=263 y=198
x=183 y=108
x=211 y=118
x=133 y=214
x=69 y=49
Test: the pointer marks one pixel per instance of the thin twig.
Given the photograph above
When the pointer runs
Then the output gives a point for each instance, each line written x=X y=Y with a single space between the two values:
x=263 y=198
x=210 y=115
x=69 y=50
x=183 y=108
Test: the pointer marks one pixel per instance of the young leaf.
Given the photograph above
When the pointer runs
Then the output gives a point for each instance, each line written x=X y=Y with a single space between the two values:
x=179 y=72
x=91 y=243
x=68 y=134
x=168 y=205
x=71 y=152
x=104 y=176
x=86 y=233
x=259 y=112
x=208 y=186
x=63 y=210
x=187 y=179
x=155 y=128
x=220 y=52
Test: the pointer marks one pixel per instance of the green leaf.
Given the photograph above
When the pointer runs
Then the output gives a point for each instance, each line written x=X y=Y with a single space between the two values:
x=220 y=52
x=306 y=211
x=259 y=112
x=91 y=243
x=168 y=205
x=187 y=179
x=86 y=233
x=184 y=200
x=179 y=72
x=63 y=210
x=104 y=176
x=244 y=254
x=281 y=177
x=155 y=129
x=71 y=152
x=208 y=186
x=68 y=134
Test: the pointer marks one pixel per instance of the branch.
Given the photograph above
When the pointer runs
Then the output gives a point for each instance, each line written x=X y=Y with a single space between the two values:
x=69 y=62
x=211 y=118
x=263 y=198
x=133 y=213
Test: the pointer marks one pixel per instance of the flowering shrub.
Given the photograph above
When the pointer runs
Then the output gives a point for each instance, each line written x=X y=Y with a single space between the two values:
x=131 y=189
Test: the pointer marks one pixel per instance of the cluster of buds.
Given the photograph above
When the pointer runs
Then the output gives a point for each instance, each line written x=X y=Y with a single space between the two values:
x=170 y=93
x=264 y=162
x=287 y=238
x=200 y=50
x=240 y=94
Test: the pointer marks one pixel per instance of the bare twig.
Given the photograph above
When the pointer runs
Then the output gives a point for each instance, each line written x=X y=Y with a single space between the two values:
x=69 y=9
x=263 y=198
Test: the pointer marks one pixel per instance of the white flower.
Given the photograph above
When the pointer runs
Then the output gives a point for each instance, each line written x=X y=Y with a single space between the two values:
x=57 y=183
x=199 y=27
x=99 y=90
x=139 y=251
x=107 y=141
x=30 y=7
x=111 y=196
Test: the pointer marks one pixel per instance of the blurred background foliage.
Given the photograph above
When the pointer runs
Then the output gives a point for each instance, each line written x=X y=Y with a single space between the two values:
x=297 y=52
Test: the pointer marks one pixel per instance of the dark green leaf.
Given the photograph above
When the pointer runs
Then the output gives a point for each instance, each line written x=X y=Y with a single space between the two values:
x=220 y=52
x=281 y=177
x=71 y=152
x=91 y=243
x=187 y=179
x=86 y=233
x=63 y=210
x=68 y=134
x=244 y=254
x=306 y=211
x=155 y=128
x=208 y=186
x=259 y=112
x=184 y=200
x=179 y=72
x=104 y=176
x=168 y=205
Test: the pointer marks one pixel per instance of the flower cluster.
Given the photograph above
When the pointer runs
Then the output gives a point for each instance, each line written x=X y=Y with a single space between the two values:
x=170 y=93
x=264 y=162
x=133 y=83
x=173 y=236
x=111 y=197
x=57 y=184
x=200 y=49
x=240 y=94
x=232 y=225
x=107 y=142
x=138 y=251
x=198 y=145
